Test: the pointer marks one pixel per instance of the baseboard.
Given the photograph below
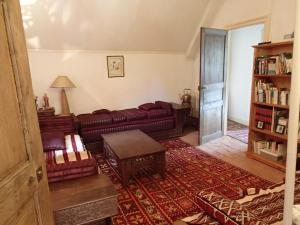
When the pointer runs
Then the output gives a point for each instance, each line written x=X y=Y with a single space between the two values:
x=244 y=122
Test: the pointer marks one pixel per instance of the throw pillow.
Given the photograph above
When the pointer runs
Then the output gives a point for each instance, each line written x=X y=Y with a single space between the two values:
x=149 y=106
x=53 y=141
x=101 y=111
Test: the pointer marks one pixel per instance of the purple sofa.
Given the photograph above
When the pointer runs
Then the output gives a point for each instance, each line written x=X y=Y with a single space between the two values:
x=159 y=120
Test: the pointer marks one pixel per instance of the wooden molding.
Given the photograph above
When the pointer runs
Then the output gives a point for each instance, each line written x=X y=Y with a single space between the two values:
x=258 y=20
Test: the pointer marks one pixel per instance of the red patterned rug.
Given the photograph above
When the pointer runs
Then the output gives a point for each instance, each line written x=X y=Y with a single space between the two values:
x=150 y=200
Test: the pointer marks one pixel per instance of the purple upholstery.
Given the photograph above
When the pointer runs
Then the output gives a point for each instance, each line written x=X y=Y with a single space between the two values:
x=134 y=114
x=65 y=124
x=94 y=120
x=53 y=131
x=165 y=105
x=154 y=118
x=101 y=111
x=157 y=113
x=92 y=134
x=53 y=140
x=118 y=117
x=149 y=106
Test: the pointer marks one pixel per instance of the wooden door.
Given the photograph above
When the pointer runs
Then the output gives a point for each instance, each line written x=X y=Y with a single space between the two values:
x=212 y=82
x=24 y=195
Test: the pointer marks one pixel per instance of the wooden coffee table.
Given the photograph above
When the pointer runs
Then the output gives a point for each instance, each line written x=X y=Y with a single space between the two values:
x=84 y=200
x=132 y=151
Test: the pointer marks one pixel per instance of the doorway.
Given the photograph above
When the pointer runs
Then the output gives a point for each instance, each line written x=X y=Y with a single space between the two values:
x=239 y=78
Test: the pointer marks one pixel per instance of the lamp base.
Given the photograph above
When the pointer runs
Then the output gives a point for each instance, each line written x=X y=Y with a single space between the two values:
x=65 y=110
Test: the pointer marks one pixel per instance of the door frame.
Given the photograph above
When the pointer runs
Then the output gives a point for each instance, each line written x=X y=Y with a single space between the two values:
x=224 y=113
x=265 y=20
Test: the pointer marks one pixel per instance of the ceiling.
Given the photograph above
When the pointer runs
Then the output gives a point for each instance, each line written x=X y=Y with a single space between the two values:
x=114 y=25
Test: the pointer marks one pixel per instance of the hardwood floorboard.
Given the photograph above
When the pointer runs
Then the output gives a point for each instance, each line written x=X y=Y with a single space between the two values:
x=234 y=151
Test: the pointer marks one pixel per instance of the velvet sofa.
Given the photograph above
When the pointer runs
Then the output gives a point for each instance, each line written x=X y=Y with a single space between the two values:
x=159 y=120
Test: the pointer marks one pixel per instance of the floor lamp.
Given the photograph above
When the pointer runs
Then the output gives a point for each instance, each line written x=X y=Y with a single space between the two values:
x=63 y=82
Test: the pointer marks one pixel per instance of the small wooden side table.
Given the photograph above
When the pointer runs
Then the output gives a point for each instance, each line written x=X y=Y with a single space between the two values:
x=84 y=200
x=46 y=112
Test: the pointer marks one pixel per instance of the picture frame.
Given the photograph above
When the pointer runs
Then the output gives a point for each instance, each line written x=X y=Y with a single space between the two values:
x=115 y=66
x=280 y=129
x=260 y=124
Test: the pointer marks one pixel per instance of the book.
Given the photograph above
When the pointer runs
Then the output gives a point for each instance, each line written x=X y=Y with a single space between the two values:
x=274 y=64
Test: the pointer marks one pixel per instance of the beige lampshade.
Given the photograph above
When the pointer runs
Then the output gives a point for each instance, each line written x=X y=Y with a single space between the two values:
x=62 y=82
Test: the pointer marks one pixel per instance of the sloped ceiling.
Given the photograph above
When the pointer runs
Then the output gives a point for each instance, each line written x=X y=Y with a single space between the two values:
x=120 y=25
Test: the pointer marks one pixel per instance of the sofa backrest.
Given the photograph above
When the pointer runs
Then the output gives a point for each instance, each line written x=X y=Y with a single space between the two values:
x=65 y=124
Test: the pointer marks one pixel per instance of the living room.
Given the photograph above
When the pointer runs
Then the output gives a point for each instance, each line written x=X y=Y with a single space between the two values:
x=129 y=124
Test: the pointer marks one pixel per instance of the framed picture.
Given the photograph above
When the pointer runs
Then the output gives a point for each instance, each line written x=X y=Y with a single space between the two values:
x=115 y=66
x=260 y=125
x=280 y=129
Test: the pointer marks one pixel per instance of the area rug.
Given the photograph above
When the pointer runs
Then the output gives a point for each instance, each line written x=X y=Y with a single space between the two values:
x=237 y=131
x=148 y=199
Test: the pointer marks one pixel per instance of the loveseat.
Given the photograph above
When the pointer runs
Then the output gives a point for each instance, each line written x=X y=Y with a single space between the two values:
x=159 y=120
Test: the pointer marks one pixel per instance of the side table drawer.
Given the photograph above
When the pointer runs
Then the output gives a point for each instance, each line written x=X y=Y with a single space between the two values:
x=87 y=212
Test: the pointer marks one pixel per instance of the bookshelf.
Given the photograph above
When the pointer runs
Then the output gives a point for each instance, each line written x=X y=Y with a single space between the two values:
x=269 y=107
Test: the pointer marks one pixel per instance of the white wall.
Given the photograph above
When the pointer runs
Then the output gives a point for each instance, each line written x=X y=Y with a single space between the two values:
x=240 y=67
x=282 y=21
x=148 y=77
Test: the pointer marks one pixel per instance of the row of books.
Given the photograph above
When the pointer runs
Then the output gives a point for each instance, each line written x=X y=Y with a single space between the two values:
x=264 y=115
x=266 y=92
x=270 y=149
x=274 y=120
x=276 y=64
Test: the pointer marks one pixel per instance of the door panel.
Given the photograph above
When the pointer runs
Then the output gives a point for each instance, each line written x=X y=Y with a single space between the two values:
x=11 y=133
x=212 y=78
x=24 y=197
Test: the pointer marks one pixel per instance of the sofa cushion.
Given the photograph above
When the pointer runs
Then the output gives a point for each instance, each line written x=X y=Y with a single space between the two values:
x=149 y=106
x=226 y=211
x=53 y=140
x=157 y=113
x=101 y=111
x=94 y=120
x=165 y=105
x=134 y=114
x=118 y=117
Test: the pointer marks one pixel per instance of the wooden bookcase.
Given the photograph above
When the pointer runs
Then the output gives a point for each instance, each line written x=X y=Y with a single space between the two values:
x=280 y=81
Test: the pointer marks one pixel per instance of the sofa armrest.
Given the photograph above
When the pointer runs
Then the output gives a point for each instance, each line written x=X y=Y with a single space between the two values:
x=180 y=113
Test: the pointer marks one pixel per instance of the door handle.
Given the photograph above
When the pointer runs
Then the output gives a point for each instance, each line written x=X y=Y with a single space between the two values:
x=203 y=88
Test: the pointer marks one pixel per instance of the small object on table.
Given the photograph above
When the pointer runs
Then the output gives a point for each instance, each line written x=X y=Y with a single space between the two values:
x=46 y=101
x=84 y=200
x=132 y=151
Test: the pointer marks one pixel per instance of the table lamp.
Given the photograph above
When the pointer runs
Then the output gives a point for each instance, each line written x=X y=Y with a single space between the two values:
x=63 y=82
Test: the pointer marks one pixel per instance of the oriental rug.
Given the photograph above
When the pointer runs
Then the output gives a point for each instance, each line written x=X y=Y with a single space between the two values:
x=148 y=199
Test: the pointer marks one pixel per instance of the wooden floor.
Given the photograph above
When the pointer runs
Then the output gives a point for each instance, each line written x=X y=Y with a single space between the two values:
x=234 y=152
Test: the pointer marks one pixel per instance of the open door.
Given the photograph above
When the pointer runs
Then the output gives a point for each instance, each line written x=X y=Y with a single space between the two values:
x=212 y=83
x=24 y=193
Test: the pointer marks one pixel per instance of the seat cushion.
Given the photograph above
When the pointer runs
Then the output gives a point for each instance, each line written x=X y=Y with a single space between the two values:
x=165 y=105
x=134 y=114
x=53 y=140
x=157 y=113
x=149 y=106
x=94 y=120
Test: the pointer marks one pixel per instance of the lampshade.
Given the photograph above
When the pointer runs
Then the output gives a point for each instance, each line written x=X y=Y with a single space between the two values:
x=62 y=82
